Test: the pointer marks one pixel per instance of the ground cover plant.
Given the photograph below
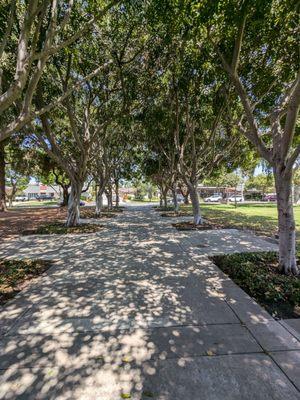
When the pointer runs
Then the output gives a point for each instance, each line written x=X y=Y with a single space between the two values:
x=61 y=228
x=15 y=274
x=91 y=213
x=191 y=226
x=163 y=208
x=258 y=274
x=171 y=214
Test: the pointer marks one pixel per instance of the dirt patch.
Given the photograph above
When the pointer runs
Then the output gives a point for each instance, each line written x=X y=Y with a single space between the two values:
x=160 y=209
x=59 y=228
x=190 y=226
x=16 y=274
x=91 y=213
x=114 y=209
x=15 y=221
x=172 y=214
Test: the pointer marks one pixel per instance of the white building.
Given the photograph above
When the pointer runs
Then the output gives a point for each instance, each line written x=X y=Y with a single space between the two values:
x=35 y=189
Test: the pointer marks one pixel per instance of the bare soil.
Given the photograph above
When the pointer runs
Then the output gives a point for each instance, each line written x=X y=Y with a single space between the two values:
x=190 y=226
x=15 y=221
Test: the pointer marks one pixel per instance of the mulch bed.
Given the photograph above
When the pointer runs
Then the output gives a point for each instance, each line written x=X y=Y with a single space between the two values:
x=61 y=229
x=160 y=209
x=15 y=221
x=258 y=275
x=16 y=274
x=90 y=213
x=114 y=209
x=172 y=214
x=190 y=226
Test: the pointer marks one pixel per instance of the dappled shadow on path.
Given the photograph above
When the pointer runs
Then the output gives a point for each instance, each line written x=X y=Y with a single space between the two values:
x=121 y=314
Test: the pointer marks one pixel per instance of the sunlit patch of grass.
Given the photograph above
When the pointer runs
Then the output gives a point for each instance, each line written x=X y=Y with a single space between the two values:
x=15 y=273
x=257 y=217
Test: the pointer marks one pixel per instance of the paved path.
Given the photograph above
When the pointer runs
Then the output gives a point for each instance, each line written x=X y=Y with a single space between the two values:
x=138 y=311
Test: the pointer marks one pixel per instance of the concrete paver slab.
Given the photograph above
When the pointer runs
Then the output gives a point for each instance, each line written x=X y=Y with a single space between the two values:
x=293 y=326
x=289 y=362
x=138 y=308
x=272 y=336
x=233 y=377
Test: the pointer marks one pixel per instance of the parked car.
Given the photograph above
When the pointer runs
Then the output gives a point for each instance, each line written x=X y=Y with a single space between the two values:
x=21 y=198
x=237 y=198
x=41 y=197
x=215 y=198
x=270 y=197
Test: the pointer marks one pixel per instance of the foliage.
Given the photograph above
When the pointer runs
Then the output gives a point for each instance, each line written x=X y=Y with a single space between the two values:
x=257 y=274
x=60 y=228
x=262 y=182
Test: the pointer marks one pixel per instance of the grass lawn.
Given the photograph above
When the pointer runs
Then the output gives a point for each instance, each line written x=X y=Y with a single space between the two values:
x=261 y=218
x=35 y=203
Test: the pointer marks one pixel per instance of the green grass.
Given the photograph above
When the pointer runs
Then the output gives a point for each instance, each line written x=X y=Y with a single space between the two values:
x=35 y=203
x=261 y=218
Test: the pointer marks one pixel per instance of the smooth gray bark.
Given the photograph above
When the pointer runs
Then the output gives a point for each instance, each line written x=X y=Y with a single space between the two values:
x=160 y=199
x=99 y=199
x=165 y=200
x=74 y=204
x=65 y=189
x=195 y=203
x=2 y=178
x=117 y=192
x=175 y=201
x=286 y=223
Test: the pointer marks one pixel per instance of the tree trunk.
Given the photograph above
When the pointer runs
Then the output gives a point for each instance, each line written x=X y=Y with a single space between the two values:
x=2 y=178
x=185 y=195
x=186 y=198
x=165 y=201
x=108 y=194
x=175 y=201
x=73 y=204
x=160 y=199
x=117 y=192
x=65 y=201
x=195 y=203
x=99 y=200
x=286 y=223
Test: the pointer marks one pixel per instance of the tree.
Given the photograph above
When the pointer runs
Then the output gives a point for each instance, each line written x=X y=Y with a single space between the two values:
x=2 y=177
x=32 y=33
x=18 y=164
x=46 y=170
x=262 y=66
x=261 y=182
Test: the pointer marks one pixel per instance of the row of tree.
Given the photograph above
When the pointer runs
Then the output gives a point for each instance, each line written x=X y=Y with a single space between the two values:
x=180 y=89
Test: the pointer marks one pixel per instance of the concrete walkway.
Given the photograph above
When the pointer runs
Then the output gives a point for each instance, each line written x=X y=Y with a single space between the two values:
x=139 y=311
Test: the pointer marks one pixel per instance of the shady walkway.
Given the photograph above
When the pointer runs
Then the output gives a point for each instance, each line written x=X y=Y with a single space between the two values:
x=138 y=311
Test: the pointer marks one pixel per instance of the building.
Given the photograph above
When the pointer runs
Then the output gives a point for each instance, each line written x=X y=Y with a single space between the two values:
x=36 y=189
